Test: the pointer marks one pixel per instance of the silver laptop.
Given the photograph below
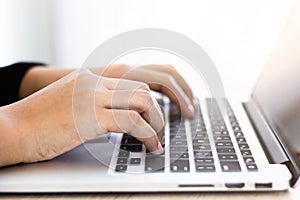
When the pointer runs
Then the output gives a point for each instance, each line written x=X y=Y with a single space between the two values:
x=226 y=147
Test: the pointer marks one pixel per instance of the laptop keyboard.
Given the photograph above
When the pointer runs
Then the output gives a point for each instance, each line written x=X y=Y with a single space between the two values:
x=202 y=145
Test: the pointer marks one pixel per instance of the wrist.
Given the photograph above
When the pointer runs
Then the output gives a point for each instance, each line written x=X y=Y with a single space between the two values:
x=12 y=141
x=116 y=71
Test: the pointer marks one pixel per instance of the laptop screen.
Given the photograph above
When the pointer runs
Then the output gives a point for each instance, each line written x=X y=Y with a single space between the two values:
x=278 y=89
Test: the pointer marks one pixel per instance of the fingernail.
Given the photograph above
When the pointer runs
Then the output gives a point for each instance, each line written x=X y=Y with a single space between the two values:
x=159 y=149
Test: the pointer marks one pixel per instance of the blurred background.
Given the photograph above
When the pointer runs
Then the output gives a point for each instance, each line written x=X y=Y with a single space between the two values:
x=238 y=35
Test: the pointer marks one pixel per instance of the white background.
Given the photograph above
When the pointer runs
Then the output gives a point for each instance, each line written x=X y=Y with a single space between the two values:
x=238 y=35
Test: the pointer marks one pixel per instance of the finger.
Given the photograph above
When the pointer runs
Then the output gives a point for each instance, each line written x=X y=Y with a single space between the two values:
x=138 y=100
x=165 y=83
x=128 y=121
x=122 y=84
x=170 y=69
x=176 y=95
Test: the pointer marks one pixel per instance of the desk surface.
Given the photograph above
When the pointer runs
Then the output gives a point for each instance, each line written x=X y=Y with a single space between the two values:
x=286 y=195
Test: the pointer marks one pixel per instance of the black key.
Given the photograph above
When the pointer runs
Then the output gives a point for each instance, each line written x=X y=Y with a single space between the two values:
x=201 y=154
x=130 y=140
x=200 y=136
x=238 y=134
x=135 y=161
x=241 y=140
x=246 y=153
x=249 y=160
x=222 y=138
x=227 y=157
x=236 y=128
x=201 y=141
x=230 y=166
x=243 y=146
x=204 y=161
x=221 y=133
x=178 y=149
x=179 y=155
x=123 y=154
x=252 y=167
x=177 y=132
x=178 y=143
x=224 y=144
x=179 y=137
x=121 y=168
x=225 y=150
x=132 y=148
x=154 y=164
x=122 y=161
x=205 y=168
x=201 y=147
x=180 y=166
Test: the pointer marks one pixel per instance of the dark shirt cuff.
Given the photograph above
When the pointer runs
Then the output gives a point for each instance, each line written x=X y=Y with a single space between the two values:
x=10 y=80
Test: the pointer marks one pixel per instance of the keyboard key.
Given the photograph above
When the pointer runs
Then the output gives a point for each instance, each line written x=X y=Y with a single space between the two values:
x=178 y=142
x=179 y=155
x=135 y=161
x=201 y=147
x=205 y=168
x=123 y=154
x=121 y=168
x=230 y=166
x=130 y=140
x=201 y=154
x=243 y=146
x=238 y=134
x=241 y=140
x=227 y=157
x=178 y=149
x=132 y=148
x=204 y=161
x=180 y=166
x=225 y=150
x=179 y=137
x=251 y=167
x=246 y=153
x=200 y=136
x=224 y=144
x=122 y=161
x=222 y=138
x=249 y=160
x=201 y=141
x=154 y=163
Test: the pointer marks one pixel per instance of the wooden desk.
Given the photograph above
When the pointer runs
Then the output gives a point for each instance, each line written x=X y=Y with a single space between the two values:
x=287 y=195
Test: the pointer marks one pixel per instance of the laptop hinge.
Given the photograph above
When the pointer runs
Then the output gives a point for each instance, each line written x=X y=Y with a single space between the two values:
x=268 y=139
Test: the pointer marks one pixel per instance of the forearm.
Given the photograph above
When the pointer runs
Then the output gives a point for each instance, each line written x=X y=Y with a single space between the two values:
x=39 y=77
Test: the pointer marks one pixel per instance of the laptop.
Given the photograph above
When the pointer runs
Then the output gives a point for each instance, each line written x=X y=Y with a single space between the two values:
x=228 y=146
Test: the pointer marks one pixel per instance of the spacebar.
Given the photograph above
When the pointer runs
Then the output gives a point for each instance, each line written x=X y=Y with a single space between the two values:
x=154 y=163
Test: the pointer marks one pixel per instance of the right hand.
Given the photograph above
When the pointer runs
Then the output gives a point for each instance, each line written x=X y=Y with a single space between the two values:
x=58 y=118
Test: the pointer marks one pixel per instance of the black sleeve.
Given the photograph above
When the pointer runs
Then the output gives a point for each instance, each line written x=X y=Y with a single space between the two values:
x=10 y=80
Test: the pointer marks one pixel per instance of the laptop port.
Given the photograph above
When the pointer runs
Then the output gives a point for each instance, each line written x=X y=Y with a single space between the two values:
x=196 y=185
x=263 y=185
x=234 y=185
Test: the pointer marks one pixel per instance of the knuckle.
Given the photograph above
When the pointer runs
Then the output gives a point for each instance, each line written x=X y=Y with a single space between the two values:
x=135 y=117
x=169 y=79
x=144 y=86
x=146 y=98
